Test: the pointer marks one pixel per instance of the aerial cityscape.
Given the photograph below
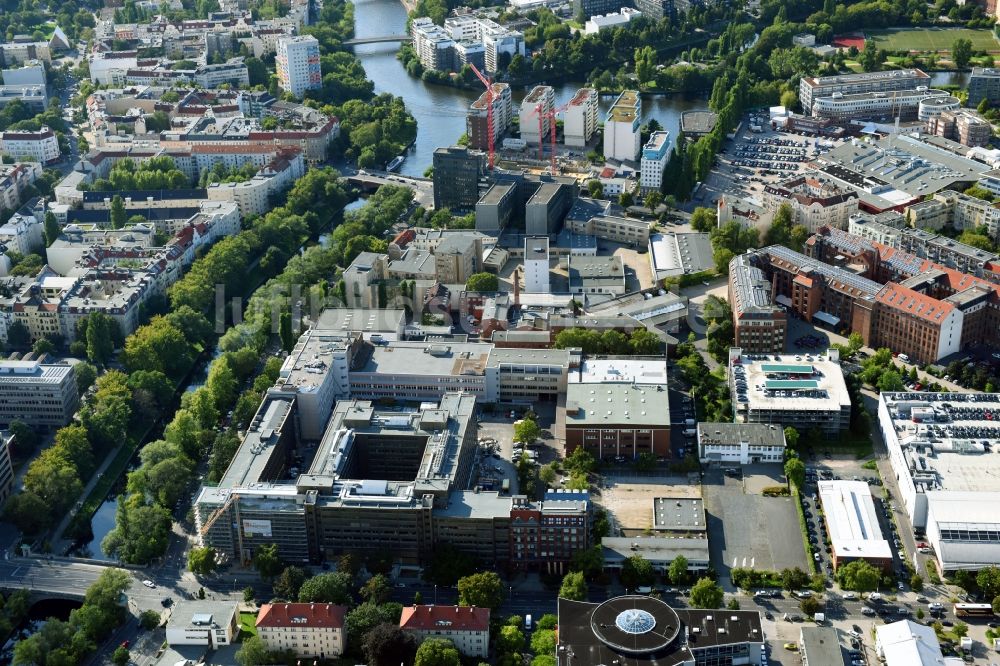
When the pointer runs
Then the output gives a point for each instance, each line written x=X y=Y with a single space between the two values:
x=508 y=332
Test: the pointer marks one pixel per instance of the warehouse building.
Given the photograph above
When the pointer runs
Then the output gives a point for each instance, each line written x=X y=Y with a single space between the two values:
x=852 y=524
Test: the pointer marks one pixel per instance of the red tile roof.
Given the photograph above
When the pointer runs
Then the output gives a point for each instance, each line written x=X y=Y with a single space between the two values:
x=912 y=302
x=322 y=616
x=461 y=618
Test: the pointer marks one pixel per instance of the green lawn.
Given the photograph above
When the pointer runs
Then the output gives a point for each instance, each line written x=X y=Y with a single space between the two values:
x=932 y=39
x=248 y=624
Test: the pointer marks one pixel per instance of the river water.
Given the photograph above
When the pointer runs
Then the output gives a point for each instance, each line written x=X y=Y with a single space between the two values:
x=440 y=110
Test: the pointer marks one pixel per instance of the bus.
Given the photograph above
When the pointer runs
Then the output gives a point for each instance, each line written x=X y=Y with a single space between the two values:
x=974 y=610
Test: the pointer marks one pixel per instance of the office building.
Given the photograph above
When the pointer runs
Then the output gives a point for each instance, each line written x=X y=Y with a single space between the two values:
x=536 y=265
x=211 y=624
x=820 y=646
x=621 y=127
x=457 y=257
x=908 y=643
x=759 y=325
x=614 y=420
x=965 y=126
x=536 y=115
x=43 y=395
x=496 y=209
x=297 y=62
x=909 y=320
x=545 y=535
x=805 y=392
x=7 y=440
x=596 y=23
x=902 y=104
x=813 y=87
x=580 y=118
x=984 y=83
x=311 y=631
x=596 y=275
x=740 y=443
x=657 y=10
x=639 y=630
x=545 y=210
x=457 y=171
x=816 y=201
x=852 y=524
x=591 y=7
x=655 y=155
x=626 y=230
x=476 y=120
x=468 y=627
x=941 y=450
x=41 y=146
x=932 y=107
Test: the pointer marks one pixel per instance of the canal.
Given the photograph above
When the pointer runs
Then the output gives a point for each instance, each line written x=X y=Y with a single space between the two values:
x=440 y=110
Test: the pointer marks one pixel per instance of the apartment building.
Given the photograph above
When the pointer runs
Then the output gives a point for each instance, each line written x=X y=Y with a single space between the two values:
x=476 y=120
x=816 y=201
x=41 y=146
x=433 y=45
x=965 y=126
x=468 y=627
x=804 y=392
x=14 y=182
x=655 y=155
x=621 y=127
x=254 y=196
x=297 y=61
x=984 y=83
x=43 y=395
x=740 y=443
x=536 y=116
x=310 y=631
x=878 y=105
x=458 y=257
x=925 y=327
x=545 y=535
x=759 y=325
x=812 y=88
x=591 y=7
x=580 y=118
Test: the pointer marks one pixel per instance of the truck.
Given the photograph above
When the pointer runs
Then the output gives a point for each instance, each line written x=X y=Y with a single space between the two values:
x=819 y=618
x=966 y=644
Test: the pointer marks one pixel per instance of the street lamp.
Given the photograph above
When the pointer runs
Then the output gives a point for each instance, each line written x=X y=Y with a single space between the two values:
x=435 y=594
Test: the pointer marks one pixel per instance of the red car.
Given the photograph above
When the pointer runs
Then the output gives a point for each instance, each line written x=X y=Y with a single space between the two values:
x=125 y=644
x=921 y=544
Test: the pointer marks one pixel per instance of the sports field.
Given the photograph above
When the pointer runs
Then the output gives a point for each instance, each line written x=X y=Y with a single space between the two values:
x=932 y=39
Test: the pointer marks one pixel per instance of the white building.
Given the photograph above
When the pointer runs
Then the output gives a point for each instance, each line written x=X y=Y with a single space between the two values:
x=852 y=524
x=41 y=146
x=908 y=643
x=597 y=23
x=432 y=44
x=208 y=623
x=39 y=394
x=655 y=155
x=467 y=627
x=14 y=181
x=580 y=118
x=740 y=443
x=110 y=68
x=535 y=115
x=307 y=630
x=536 y=265
x=621 y=127
x=297 y=62
x=254 y=196
x=22 y=233
x=949 y=480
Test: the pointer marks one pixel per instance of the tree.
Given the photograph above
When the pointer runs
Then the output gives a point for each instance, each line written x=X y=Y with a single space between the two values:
x=253 y=652
x=86 y=375
x=706 y=594
x=329 y=588
x=636 y=572
x=890 y=381
x=595 y=189
x=484 y=590
x=388 y=645
x=376 y=589
x=871 y=58
x=543 y=641
x=511 y=639
x=794 y=579
x=118 y=214
x=703 y=219
x=574 y=587
x=289 y=582
x=437 y=652
x=158 y=346
x=960 y=629
x=795 y=472
x=141 y=531
x=52 y=229
x=527 y=431
x=484 y=282
x=961 y=52
x=917 y=582
x=996 y=605
x=201 y=560
x=988 y=580
x=859 y=576
x=644 y=343
x=810 y=606
x=267 y=560
x=588 y=561
x=120 y=656
x=625 y=199
x=653 y=200
x=285 y=331
x=791 y=438
x=678 y=571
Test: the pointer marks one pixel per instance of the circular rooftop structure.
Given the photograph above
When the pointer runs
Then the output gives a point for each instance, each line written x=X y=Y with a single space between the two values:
x=635 y=624
x=931 y=107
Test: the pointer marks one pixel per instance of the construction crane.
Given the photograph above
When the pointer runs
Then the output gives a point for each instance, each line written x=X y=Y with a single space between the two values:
x=551 y=115
x=489 y=113
x=232 y=500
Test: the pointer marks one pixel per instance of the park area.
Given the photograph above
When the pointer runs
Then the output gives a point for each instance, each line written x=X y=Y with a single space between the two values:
x=932 y=39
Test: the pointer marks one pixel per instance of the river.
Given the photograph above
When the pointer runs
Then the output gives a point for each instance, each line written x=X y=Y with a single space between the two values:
x=440 y=110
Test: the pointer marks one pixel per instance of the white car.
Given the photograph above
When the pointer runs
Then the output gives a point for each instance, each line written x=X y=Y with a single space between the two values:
x=148 y=583
x=850 y=595
x=855 y=633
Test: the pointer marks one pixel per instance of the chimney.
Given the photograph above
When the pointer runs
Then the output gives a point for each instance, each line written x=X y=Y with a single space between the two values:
x=517 y=286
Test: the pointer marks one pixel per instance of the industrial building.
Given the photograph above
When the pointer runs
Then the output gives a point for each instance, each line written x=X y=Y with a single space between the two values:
x=852 y=524
x=740 y=443
x=759 y=325
x=941 y=451
x=804 y=392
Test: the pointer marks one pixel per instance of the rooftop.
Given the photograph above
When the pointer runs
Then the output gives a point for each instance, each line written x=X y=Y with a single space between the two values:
x=587 y=271
x=800 y=383
x=698 y=122
x=750 y=288
x=626 y=108
x=680 y=253
x=908 y=643
x=445 y=618
x=753 y=434
x=615 y=404
x=822 y=646
x=202 y=614
x=420 y=358
x=316 y=616
x=842 y=79
x=679 y=514
x=655 y=549
x=649 y=371
x=851 y=520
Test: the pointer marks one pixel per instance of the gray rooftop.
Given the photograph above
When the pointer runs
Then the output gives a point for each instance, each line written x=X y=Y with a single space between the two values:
x=590 y=271
x=754 y=434
x=613 y=404
x=751 y=290
x=821 y=645
x=655 y=549
x=679 y=514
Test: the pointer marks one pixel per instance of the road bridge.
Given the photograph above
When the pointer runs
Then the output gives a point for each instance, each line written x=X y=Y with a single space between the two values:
x=385 y=39
x=369 y=181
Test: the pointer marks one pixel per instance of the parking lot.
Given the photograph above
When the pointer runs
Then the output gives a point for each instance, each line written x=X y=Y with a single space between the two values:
x=746 y=529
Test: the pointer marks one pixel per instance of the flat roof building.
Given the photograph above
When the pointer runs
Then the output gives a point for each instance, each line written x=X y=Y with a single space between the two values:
x=741 y=443
x=621 y=127
x=820 y=646
x=674 y=254
x=208 y=623
x=679 y=516
x=596 y=275
x=39 y=394
x=908 y=643
x=813 y=87
x=940 y=448
x=852 y=524
x=802 y=391
x=617 y=419
x=658 y=551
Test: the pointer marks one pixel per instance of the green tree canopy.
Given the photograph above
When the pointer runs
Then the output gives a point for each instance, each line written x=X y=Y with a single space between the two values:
x=706 y=594
x=484 y=590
